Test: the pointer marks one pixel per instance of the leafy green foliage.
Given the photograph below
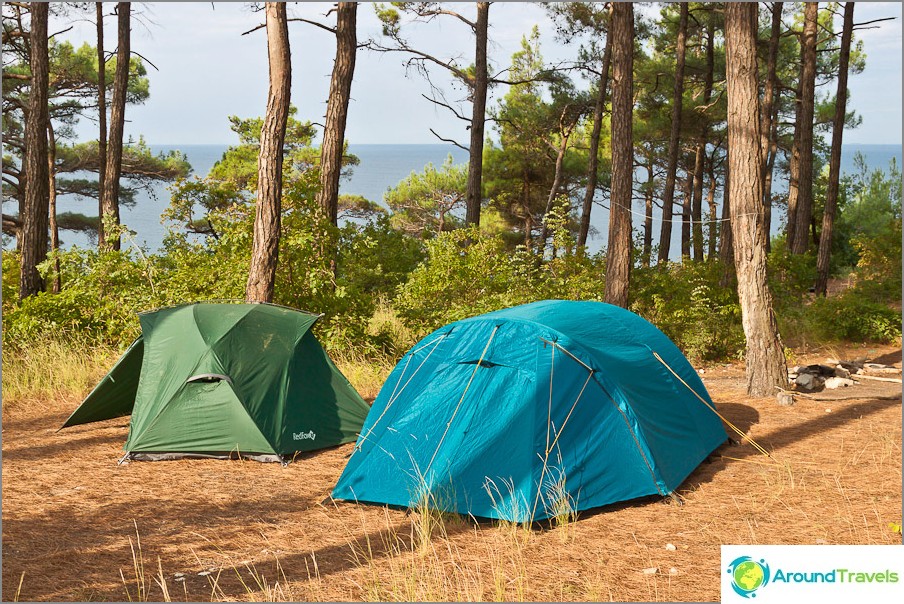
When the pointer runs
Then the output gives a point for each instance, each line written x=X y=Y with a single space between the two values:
x=426 y=202
x=686 y=302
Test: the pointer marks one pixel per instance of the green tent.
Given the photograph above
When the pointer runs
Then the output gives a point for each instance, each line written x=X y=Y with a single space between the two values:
x=226 y=380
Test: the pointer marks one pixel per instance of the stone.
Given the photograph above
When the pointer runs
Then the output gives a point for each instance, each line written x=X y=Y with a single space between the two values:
x=832 y=361
x=673 y=571
x=670 y=547
x=838 y=382
x=785 y=399
x=808 y=381
x=842 y=372
x=650 y=571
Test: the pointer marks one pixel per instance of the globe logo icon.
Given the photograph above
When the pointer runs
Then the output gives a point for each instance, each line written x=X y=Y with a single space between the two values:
x=748 y=575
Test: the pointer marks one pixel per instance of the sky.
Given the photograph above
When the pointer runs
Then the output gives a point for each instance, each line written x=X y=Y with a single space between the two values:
x=207 y=70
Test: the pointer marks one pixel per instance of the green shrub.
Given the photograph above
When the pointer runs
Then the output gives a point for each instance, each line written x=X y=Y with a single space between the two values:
x=849 y=317
x=687 y=303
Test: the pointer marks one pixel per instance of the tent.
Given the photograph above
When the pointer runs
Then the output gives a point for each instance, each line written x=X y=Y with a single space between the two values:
x=531 y=412
x=226 y=380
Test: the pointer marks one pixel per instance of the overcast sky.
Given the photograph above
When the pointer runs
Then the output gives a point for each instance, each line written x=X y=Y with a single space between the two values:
x=209 y=71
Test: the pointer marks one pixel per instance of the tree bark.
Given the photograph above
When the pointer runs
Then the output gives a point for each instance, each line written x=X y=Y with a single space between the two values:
x=686 y=194
x=618 y=255
x=474 y=193
x=593 y=152
x=768 y=130
x=668 y=199
x=265 y=249
x=700 y=151
x=34 y=164
x=765 y=358
x=117 y=122
x=52 y=204
x=726 y=239
x=804 y=209
x=557 y=178
x=767 y=182
x=697 y=203
x=828 y=217
x=713 y=211
x=101 y=121
x=648 y=217
x=337 y=109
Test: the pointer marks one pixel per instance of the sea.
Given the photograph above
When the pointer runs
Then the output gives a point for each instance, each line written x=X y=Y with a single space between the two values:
x=381 y=167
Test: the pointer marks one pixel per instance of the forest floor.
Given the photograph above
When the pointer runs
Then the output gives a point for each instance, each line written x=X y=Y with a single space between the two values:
x=78 y=527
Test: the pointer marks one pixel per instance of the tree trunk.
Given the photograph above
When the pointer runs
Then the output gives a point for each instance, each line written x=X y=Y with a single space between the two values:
x=52 y=204
x=713 y=211
x=474 y=193
x=769 y=90
x=101 y=121
x=828 y=217
x=618 y=255
x=593 y=158
x=648 y=216
x=804 y=210
x=34 y=164
x=668 y=199
x=700 y=151
x=265 y=249
x=556 y=184
x=726 y=238
x=765 y=357
x=337 y=109
x=794 y=173
x=117 y=122
x=686 y=193
x=697 y=203
x=767 y=182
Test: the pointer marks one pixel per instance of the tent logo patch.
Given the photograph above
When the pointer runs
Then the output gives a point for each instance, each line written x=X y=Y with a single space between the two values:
x=309 y=435
x=748 y=575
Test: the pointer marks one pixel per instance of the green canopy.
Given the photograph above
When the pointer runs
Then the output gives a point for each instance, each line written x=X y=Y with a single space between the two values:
x=226 y=380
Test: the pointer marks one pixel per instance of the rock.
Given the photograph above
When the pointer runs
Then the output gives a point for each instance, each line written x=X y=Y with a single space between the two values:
x=852 y=366
x=673 y=571
x=832 y=361
x=670 y=547
x=838 y=382
x=842 y=372
x=808 y=381
x=177 y=575
x=828 y=410
x=650 y=571
x=878 y=368
x=785 y=399
x=824 y=370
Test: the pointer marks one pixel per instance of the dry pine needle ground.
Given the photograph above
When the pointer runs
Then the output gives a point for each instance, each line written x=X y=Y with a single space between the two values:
x=78 y=527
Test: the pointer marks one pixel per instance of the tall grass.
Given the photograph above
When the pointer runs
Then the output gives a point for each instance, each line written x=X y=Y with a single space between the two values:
x=53 y=367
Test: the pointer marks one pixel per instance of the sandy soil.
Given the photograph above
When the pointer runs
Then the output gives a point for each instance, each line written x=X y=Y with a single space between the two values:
x=262 y=532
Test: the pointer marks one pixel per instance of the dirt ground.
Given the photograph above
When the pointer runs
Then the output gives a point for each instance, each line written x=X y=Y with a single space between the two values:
x=232 y=530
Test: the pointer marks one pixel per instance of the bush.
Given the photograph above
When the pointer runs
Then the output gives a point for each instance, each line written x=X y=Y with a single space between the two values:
x=687 y=303
x=468 y=272
x=848 y=317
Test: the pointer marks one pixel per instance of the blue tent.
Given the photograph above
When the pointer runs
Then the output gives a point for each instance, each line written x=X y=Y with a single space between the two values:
x=527 y=412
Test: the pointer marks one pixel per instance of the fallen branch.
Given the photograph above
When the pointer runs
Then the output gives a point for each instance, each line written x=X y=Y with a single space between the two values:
x=878 y=379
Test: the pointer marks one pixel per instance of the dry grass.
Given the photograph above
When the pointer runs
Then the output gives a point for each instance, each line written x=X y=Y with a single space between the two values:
x=78 y=527
x=52 y=369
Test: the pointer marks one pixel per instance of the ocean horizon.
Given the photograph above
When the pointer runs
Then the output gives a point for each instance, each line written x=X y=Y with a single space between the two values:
x=381 y=167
